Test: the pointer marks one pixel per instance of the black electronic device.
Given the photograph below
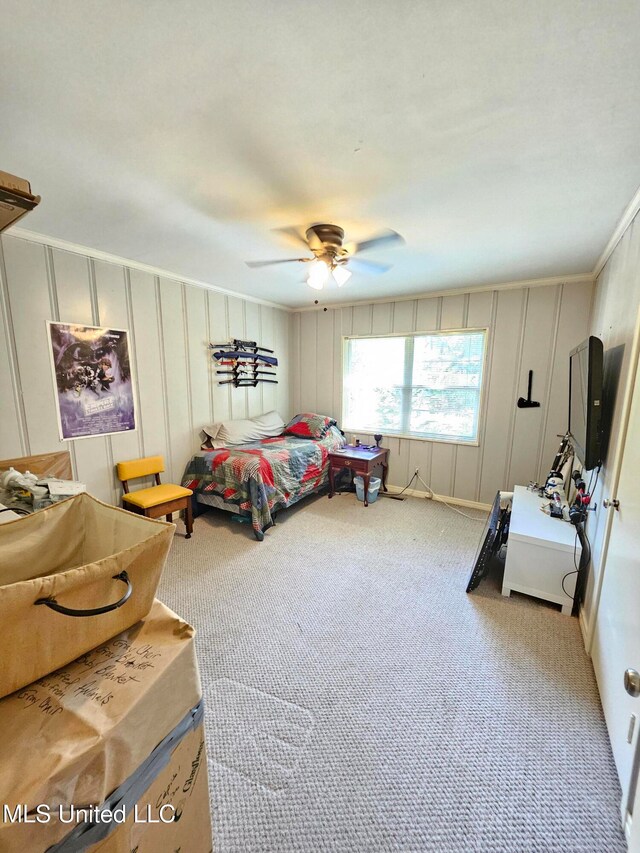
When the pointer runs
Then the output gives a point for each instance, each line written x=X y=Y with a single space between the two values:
x=495 y=534
x=585 y=401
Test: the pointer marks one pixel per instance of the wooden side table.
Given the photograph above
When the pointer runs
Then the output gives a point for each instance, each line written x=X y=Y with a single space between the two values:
x=359 y=461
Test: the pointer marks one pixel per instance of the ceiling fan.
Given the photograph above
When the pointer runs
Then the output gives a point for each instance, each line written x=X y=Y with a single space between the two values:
x=331 y=257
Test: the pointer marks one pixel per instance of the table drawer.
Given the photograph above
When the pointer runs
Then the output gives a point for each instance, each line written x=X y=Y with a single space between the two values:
x=360 y=466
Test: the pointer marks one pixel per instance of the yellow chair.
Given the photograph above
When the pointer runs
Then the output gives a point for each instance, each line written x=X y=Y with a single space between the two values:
x=161 y=499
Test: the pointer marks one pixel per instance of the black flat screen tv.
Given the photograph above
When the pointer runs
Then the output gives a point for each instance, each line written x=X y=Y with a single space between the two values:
x=585 y=401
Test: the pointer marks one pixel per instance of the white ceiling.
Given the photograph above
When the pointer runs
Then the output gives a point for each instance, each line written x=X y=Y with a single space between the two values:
x=502 y=139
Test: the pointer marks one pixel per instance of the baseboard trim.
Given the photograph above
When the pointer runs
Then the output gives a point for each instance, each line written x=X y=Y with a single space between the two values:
x=414 y=493
x=584 y=629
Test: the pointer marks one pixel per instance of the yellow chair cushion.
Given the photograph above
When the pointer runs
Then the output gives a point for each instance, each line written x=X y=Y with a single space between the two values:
x=156 y=495
x=135 y=468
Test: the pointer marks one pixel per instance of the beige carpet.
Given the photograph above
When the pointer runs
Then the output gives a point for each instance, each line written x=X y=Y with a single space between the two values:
x=359 y=700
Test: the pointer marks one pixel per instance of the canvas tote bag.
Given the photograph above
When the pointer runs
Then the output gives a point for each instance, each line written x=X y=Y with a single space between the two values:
x=72 y=576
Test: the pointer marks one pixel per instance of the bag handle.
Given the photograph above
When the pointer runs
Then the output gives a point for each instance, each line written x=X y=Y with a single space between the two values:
x=68 y=611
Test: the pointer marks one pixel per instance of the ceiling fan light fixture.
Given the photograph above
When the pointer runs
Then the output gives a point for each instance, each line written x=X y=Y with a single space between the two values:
x=341 y=275
x=318 y=275
x=330 y=253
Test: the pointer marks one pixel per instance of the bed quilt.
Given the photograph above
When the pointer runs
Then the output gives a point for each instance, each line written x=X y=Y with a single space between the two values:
x=264 y=475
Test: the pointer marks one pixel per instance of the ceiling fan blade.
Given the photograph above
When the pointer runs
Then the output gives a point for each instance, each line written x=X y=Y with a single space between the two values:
x=255 y=264
x=384 y=239
x=369 y=267
x=315 y=243
x=292 y=232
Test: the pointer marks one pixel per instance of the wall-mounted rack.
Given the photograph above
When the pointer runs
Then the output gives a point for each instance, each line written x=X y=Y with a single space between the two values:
x=244 y=362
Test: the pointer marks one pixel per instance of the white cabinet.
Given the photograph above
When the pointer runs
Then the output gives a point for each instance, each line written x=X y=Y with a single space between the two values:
x=540 y=552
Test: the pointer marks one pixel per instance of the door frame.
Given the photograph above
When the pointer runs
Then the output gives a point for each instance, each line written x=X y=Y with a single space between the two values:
x=616 y=468
x=633 y=790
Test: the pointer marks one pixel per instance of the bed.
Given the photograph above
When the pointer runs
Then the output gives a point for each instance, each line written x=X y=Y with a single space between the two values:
x=257 y=479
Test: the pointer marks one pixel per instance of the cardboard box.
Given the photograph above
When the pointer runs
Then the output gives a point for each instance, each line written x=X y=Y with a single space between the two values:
x=16 y=199
x=120 y=722
x=173 y=814
x=12 y=182
x=168 y=813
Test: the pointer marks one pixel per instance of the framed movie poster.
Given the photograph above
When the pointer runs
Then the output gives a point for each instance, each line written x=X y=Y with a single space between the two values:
x=92 y=374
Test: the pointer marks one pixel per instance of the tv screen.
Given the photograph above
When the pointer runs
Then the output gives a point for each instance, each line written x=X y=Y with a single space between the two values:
x=585 y=401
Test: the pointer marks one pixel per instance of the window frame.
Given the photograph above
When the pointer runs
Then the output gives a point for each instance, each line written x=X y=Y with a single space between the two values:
x=412 y=436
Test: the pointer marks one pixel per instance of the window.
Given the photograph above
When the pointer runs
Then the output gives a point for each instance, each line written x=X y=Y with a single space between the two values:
x=423 y=385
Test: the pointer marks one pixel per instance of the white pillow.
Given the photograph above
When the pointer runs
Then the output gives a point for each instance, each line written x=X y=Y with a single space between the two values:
x=270 y=424
x=241 y=431
x=212 y=430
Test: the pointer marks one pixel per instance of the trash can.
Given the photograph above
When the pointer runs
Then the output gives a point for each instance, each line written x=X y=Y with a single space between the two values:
x=374 y=488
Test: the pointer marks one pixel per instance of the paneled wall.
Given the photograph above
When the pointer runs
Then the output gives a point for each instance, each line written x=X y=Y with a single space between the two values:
x=529 y=329
x=615 y=315
x=170 y=323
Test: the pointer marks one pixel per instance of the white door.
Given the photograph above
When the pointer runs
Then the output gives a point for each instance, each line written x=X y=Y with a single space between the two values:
x=616 y=645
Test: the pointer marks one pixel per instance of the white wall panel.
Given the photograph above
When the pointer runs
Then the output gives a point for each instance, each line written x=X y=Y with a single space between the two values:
x=452 y=312
x=428 y=315
x=515 y=343
x=381 y=321
x=325 y=354
x=31 y=307
x=287 y=366
x=114 y=311
x=170 y=326
x=198 y=356
x=342 y=325
x=500 y=403
x=399 y=452
x=219 y=395
x=362 y=317
x=539 y=333
x=310 y=367
x=268 y=340
x=404 y=316
x=13 y=432
x=152 y=420
x=176 y=377
x=296 y=380
x=73 y=288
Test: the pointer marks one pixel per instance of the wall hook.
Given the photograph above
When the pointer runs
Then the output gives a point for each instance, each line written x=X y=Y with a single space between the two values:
x=528 y=403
